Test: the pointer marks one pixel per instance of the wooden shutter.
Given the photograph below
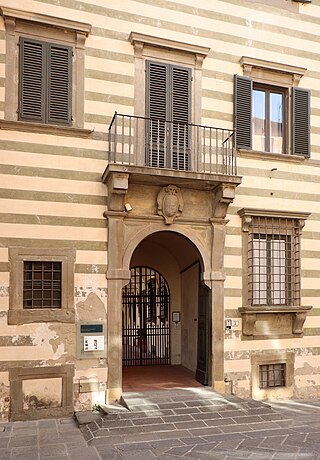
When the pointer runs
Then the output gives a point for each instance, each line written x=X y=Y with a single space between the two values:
x=59 y=84
x=301 y=122
x=157 y=110
x=168 y=106
x=45 y=82
x=243 y=111
x=32 y=80
x=180 y=116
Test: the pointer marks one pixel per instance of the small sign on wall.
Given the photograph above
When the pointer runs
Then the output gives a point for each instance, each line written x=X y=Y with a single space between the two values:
x=91 y=340
x=93 y=343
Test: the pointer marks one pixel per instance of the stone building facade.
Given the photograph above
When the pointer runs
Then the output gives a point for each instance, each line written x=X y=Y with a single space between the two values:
x=159 y=199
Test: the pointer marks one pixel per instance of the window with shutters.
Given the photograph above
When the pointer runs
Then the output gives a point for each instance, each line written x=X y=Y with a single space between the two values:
x=168 y=92
x=168 y=108
x=41 y=285
x=45 y=82
x=271 y=114
x=44 y=85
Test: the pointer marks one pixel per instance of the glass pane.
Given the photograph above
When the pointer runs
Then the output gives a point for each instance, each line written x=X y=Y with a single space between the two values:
x=259 y=271
x=276 y=122
x=259 y=120
x=278 y=272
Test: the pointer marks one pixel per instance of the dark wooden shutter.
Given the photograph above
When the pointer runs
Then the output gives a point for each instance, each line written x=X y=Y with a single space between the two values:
x=180 y=116
x=45 y=82
x=301 y=122
x=243 y=111
x=32 y=80
x=168 y=106
x=59 y=84
x=157 y=110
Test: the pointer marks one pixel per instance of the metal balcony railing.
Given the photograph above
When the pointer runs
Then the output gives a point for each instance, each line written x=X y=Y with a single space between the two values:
x=142 y=141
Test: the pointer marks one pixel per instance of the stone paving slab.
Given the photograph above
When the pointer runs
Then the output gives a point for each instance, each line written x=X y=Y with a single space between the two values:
x=205 y=425
x=172 y=425
x=44 y=440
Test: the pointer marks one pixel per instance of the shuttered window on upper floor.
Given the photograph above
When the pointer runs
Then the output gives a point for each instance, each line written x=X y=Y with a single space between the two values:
x=263 y=121
x=45 y=82
x=168 y=107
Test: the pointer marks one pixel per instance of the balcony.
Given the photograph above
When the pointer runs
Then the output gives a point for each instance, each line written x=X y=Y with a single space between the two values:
x=146 y=142
x=157 y=153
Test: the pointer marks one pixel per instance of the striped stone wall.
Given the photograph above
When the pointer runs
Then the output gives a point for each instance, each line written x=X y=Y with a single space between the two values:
x=51 y=195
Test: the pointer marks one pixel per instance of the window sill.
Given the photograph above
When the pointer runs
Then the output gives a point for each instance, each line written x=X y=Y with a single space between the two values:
x=251 y=315
x=40 y=128
x=270 y=156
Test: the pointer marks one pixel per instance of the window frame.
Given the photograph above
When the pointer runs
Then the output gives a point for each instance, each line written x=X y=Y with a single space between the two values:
x=38 y=283
x=17 y=314
x=293 y=315
x=272 y=368
x=270 y=89
x=247 y=216
x=287 y=230
x=53 y=30
x=283 y=77
x=272 y=357
x=169 y=52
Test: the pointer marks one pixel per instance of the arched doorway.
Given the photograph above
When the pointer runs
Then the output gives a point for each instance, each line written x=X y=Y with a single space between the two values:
x=145 y=319
x=165 y=318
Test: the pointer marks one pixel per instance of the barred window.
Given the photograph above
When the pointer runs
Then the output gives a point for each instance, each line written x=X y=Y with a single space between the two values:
x=273 y=261
x=272 y=375
x=42 y=284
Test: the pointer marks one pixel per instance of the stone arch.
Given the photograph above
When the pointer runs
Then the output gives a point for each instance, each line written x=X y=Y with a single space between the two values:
x=139 y=237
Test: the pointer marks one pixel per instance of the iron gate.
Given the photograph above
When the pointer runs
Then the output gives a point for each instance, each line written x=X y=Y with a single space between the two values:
x=145 y=319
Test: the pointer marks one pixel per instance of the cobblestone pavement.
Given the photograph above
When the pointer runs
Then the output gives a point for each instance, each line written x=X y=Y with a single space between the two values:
x=200 y=424
x=193 y=423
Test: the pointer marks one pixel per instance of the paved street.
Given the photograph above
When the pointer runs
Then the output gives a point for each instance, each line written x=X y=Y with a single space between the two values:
x=197 y=423
x=193 y=423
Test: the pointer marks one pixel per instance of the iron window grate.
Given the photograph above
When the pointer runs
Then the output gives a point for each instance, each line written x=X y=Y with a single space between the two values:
x=272 y=375
x=274 y=261
x=42 y=282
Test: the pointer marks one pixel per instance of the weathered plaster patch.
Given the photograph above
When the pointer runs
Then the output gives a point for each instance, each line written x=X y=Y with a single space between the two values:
x=46 y=336
x=4 y=291
x=85 y=291
x=234 y=355
x=3 y=315
x=307 y=369
x=17 y=340
x=42 y=393
x=4 y=395
x=306 y=389
x=240 y=389
x=82 y=402
x=91 y=309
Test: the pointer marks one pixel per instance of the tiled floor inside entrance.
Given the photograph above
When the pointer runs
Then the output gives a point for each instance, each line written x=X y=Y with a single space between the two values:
x=141 y=378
